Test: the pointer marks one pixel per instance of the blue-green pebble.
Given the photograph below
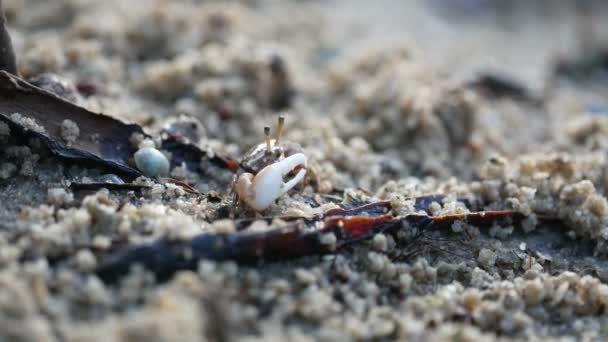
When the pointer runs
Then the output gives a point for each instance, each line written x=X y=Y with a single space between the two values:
x=151 y=162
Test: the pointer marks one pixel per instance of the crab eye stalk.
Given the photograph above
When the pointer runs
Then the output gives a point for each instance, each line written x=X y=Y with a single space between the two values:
x=280 y=127
x=267 y=135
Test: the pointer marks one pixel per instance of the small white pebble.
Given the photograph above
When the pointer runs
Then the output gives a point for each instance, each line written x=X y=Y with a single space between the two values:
x=457 y=226
x=376 y=261
x=146 y=142
x=224 y=226
x=471 y=300
x=151 y=162
x=136 y=139
x=258 y=226
x=5 y=132
x=405 y=281
x=59 y=197
x=487 y=257
x=434 y=208
x=69 y=131
x=85 y=260
x=529 y=223
x=329 y=240
x=28 y=123
x=27 y=168
x=380 y=243
x=305 y=277
x=101 y=242
x=533 y=292
x=7 y=170
x=560 y=293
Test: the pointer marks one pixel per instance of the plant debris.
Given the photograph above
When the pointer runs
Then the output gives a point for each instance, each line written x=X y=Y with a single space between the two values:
x=102 y=140
x=43 y=111
x=495 y=87
x=110 y=186
x=165 y=257
x=187 y=187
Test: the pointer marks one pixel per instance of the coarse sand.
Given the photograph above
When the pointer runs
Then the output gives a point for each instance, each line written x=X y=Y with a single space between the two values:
x=381 y=98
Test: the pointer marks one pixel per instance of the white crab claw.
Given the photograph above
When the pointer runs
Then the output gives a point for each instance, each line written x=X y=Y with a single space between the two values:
x=268 y=184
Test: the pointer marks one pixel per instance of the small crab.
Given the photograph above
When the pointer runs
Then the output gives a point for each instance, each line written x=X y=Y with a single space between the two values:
x=271 y=170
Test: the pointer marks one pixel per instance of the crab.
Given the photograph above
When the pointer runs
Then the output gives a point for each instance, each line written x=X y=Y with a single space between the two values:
x=271 y=170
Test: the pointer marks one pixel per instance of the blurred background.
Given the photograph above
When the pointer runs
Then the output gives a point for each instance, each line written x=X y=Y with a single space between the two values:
x=519 y=37
x=391 y=73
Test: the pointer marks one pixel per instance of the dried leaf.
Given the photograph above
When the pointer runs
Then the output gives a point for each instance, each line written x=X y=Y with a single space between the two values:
x=102 y=140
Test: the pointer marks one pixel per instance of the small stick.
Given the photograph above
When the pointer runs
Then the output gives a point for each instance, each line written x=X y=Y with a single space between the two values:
x=267 y=134
x=7 y=54
x=280 y=129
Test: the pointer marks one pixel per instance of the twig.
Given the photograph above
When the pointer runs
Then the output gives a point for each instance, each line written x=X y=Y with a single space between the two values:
x=295 y=239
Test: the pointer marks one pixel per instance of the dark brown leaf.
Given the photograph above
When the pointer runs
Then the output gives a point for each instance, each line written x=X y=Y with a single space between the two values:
x=103 y=140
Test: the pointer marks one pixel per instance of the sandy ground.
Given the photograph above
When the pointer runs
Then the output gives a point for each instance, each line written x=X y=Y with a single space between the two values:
x=383 y=111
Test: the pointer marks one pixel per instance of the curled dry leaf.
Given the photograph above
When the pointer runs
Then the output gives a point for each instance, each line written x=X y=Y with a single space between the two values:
x=101 y=140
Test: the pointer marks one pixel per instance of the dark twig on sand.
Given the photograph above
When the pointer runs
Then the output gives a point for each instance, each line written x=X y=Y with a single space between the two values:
x=339 y=228
x=110 y=186
x=165 y=257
